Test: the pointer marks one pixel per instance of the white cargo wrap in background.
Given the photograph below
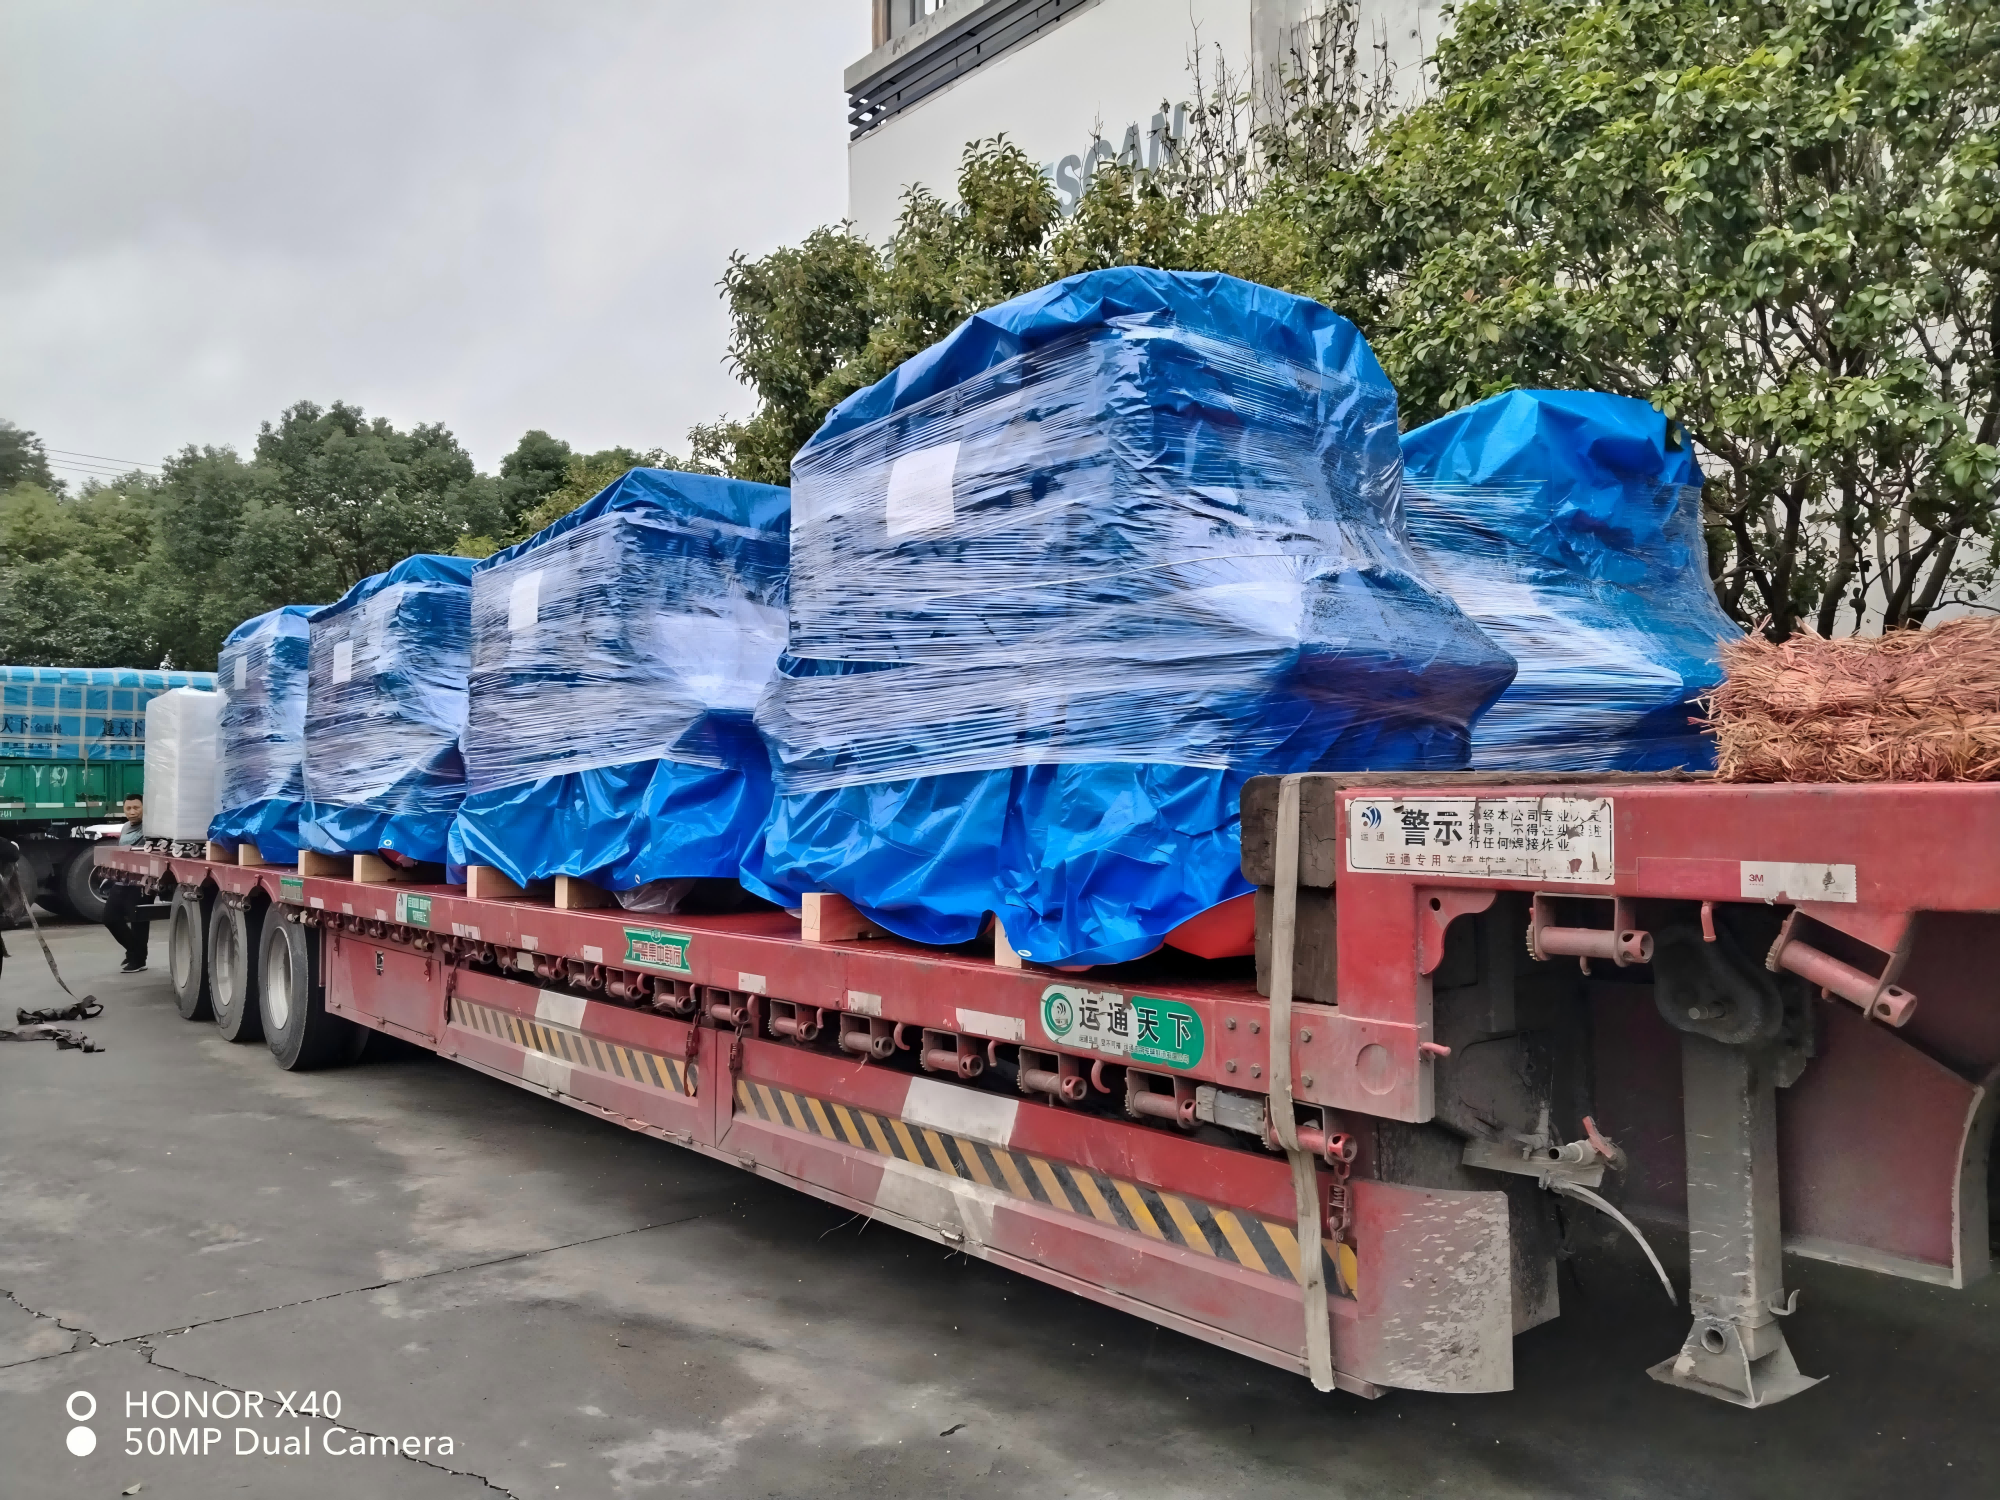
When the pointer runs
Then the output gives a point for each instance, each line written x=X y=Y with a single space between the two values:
x=181 y=756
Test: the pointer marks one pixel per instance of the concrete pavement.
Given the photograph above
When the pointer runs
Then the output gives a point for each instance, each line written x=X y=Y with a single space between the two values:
x=585 y=1312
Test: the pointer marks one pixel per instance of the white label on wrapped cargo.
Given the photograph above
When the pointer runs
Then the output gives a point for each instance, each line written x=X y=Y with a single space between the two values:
x=343 y=661
x=381 y=609
x=725 y=657
x=1789 y=880
x=1553 y=840
x=920 y=497
x=242 y=671
x=524 y=601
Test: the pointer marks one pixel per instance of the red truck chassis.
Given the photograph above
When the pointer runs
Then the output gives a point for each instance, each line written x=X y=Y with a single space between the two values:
x=1775 y=1004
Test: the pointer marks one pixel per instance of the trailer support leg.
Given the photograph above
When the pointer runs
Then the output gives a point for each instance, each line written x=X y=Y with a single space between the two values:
x=1736 y=1350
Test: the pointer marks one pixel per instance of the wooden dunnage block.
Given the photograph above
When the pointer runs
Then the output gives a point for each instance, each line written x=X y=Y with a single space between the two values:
x=1004 y=956
x=221 y=854
x=484 y=883
x=247 y=856
x=827 y=918
x=575 y=894
x=329 y=866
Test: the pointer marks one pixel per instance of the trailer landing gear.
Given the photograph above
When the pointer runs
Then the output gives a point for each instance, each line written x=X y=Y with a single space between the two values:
x=1742 y=1037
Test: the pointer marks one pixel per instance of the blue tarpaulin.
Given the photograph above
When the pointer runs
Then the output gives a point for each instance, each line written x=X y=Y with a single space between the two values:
x=385 y=707
x=617 y=657
x=1568 y=523
x=1064 y=581
x=261 y=787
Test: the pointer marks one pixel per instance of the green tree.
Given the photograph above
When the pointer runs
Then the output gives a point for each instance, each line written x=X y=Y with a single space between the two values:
x=1776 y=222
x=73 y=575
x=538 y=465
x=355 y=496
x=201 y=580
x=23 y=460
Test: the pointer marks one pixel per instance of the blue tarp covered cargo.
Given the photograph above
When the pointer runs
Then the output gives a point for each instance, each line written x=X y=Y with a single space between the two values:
x=261 y=787
x=1568 y=523
x=617 y=657
x=385 y=706
x=1063 y=582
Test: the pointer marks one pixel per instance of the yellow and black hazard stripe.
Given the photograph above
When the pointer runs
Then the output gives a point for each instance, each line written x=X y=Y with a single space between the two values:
x=1257 y=1243
x=633 y=1064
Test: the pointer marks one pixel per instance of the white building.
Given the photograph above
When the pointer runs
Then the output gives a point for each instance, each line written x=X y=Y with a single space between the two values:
x=1073 y=82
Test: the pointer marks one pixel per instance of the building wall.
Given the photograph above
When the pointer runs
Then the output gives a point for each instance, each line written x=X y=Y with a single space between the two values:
x=1103 y=74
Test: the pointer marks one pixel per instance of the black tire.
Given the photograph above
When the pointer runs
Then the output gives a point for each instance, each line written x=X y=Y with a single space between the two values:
x=300 y=1033
x=187 y=951
x=82 y=886
x=233 y=972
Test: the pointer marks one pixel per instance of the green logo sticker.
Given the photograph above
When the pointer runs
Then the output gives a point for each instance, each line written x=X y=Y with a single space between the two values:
x=413 y=910
x=658 y=950
x=292 y=888
x=1164 y=1033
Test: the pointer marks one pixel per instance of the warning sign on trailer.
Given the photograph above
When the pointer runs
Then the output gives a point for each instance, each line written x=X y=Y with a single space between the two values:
x=1544 y=839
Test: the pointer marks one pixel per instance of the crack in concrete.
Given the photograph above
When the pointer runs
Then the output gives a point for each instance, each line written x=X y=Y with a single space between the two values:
x=36 y=1312
x=142 y=1339
x=151 y=1356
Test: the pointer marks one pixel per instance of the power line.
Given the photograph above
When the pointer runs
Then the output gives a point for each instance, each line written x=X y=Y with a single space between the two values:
x=129 y=463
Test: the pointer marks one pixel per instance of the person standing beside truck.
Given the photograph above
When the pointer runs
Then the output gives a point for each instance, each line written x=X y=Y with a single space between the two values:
x=122 y=901
x=10 y=893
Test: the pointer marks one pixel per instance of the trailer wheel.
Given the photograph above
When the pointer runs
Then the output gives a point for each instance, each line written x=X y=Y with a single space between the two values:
x=297 y=1027
x=83 y=886
x=233 y=970
x=187 y=951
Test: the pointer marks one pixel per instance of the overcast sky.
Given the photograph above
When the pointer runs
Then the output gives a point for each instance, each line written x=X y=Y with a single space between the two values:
x=496 y=215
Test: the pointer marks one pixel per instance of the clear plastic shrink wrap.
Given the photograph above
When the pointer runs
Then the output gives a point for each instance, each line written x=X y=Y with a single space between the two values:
x=385 y=707
x=1063 y=582
x=181 y=729
x=617 y=658
x=262 y=782
x=1568 y=523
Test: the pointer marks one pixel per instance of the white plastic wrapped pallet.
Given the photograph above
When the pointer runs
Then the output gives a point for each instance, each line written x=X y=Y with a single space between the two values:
x=181 y=756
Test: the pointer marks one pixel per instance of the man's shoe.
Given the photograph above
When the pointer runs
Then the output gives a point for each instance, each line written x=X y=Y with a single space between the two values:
x=132 y=966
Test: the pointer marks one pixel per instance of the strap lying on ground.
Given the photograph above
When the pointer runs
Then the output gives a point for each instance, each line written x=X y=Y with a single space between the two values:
x=88 y=1008
x=62 y=1036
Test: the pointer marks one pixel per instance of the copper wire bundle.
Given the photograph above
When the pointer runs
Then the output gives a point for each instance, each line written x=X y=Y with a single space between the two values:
x=1915 y=705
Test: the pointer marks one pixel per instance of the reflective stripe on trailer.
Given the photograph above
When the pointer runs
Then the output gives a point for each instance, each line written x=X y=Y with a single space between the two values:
x=566 y=1045
x=1255 y=1243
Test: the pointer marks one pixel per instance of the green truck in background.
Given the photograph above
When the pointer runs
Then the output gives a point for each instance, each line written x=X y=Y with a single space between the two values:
x=72 y=749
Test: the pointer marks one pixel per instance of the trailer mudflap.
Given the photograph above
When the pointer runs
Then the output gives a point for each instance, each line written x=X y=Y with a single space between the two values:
x=1443 y=1319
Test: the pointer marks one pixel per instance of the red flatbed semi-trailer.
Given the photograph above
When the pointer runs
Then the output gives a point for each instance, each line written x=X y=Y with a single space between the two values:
x=1776 y=1002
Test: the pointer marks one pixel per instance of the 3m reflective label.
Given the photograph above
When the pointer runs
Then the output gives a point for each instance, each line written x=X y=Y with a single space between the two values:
x=1146 y=1030
x=1784 y=880
x=658 y=950
x=1565 y=840
x=413 y=911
